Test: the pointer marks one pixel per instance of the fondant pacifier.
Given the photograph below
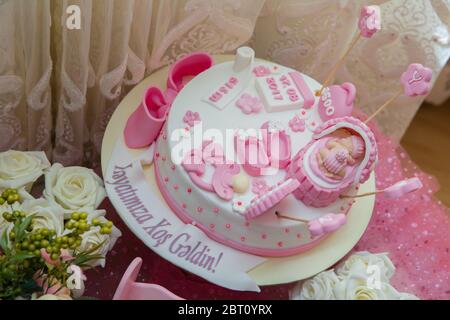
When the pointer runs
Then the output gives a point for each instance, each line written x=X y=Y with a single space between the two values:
x=145 y=123
x=337 y=101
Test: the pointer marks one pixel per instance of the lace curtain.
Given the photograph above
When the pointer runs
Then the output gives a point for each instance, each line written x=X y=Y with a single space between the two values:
x=59 y=87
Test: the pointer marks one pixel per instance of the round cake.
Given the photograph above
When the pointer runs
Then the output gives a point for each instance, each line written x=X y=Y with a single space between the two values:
x=251 y=156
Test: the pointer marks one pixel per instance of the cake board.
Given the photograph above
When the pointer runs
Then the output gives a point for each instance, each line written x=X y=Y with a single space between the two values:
x=273 y=270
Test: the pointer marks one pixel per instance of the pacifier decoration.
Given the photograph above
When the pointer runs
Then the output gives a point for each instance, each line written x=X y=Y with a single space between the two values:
x=395 y=191
x=337 y=101
x=318 y=227
x=369 y=23
x=416 y=81
x=145 y=123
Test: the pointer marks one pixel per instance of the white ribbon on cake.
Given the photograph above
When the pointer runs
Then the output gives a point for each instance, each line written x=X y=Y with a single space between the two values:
x=146 y=213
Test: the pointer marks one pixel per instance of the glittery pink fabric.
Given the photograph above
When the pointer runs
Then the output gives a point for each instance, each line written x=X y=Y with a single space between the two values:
x=415 y=230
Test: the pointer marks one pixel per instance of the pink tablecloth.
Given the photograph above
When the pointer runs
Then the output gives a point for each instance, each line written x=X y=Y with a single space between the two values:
x=415 y=230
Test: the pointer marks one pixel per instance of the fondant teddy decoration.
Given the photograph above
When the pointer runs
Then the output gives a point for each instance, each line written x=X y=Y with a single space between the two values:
x=339 y=154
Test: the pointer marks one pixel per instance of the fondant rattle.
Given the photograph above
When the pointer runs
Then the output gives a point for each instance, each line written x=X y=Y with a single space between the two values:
x=397 y=190
x=369 y=23
x=266 y=201
x=416 y=81
x=129 y=289
x=320 y=226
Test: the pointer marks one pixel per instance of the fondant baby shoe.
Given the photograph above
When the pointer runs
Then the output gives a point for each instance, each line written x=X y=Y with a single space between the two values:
x=184 y=70
x=277 y=143
x=144 y=125
x=337 y=101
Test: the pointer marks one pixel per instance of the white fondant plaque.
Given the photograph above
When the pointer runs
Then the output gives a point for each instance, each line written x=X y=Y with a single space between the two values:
x=279 y=93
x=221 y=96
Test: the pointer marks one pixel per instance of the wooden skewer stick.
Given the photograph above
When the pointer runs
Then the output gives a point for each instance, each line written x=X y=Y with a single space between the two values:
x=337 y=65
x=343 y=196
x=279 y=215
x=384 y=106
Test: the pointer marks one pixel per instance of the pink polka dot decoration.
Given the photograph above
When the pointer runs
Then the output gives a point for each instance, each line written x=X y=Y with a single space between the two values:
x=413 y=229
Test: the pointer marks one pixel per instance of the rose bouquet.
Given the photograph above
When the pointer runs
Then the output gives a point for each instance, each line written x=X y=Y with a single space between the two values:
x=47 y=243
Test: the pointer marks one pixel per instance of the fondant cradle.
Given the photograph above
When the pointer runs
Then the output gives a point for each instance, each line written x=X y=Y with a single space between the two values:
x=314 y=190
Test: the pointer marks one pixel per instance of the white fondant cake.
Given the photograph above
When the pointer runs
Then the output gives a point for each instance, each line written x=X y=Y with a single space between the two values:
x=233 y=202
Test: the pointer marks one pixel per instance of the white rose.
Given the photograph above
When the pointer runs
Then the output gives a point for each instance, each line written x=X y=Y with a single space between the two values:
x=21 y=169
x=93 y=238
x=356 y=286
x=73 y=188
x=380 y=260
x=321 y=287
x=46 y=215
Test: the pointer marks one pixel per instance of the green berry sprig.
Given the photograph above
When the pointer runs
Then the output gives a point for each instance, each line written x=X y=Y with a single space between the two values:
x=34 y=241
x=9 y=196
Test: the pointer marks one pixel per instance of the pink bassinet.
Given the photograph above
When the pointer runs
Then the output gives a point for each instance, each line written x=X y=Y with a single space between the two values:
x=317 y=191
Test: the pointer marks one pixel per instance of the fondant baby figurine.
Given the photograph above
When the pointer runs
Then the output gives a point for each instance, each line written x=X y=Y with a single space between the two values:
x=340 y=153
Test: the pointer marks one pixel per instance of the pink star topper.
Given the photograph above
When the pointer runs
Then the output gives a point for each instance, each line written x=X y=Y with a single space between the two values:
x=369 y=21
x=416 y=80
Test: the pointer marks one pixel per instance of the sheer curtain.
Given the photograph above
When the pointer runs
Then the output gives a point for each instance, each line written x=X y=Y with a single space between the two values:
x=59 y=86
